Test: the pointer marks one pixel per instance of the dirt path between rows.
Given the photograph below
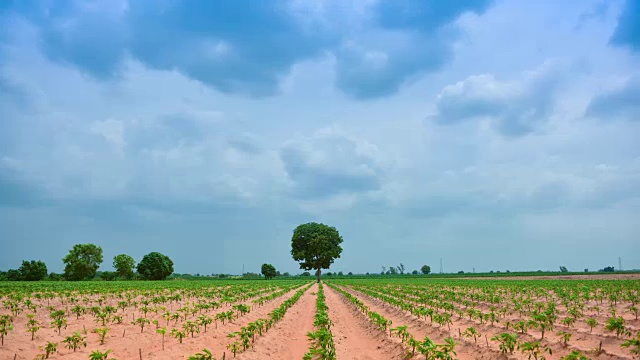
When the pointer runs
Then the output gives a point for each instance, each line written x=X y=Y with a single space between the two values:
x=354 y=336
x=288 y=339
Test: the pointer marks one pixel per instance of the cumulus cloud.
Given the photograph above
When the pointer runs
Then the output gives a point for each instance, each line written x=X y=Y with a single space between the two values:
x=392 y=43
x=406 y=39
x=106 y=142
x=246 y=55
x=245 y=143
x=329 y=163
x=627 y=33
x=368 y=68
x=236 y=47
x=514 y=108
x=621 y=103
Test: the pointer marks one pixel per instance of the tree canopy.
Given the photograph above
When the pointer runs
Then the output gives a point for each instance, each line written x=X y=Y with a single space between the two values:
x=155 y=266
x=315 y=246
x=269 y=271
x=425 y=269
x=33 y=270
x=124 y=265
x=82 y=262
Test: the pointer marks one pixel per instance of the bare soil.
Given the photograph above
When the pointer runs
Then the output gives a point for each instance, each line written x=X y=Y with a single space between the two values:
x=287 y=340
x=487 y=349
x=584 y=339
x=127 y=341
x=354 y=335
x=419 y=329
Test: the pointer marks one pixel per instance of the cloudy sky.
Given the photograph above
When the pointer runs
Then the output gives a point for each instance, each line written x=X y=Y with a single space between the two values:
x=491 y=134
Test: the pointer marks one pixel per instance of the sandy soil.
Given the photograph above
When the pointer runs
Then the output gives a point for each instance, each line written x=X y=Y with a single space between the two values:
x=287 y=340
x=419 y=329
x=354 y=336
x=582 y=341
x=126 y=340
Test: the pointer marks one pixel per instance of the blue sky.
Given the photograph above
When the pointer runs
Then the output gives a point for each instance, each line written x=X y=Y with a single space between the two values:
x=492 y=134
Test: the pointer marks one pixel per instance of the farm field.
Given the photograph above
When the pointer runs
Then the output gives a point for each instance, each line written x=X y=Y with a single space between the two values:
x=360 y=319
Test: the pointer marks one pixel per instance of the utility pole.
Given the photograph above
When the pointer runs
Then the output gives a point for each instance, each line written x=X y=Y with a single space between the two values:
x=441 y=266
x=619 y=264
x=242 y=269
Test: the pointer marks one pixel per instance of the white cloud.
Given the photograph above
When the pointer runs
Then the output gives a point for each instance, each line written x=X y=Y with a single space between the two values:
x=112 y=130
x=514 y=107
x=622 y=102
x=331 y=163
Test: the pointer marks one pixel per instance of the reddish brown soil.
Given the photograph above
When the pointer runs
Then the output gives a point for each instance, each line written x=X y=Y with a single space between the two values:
x=19 y=343
x=466 y=349
x=354 y=335
x=287 y=340
x=583 y=338
x=419 y=329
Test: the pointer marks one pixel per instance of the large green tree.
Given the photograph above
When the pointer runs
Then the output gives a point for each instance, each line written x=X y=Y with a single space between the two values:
x=315 y=246
x=269 y=271
x=425 y=269
x=155 y=266
x=124 y=265
x=82 y=262
x=33 y=270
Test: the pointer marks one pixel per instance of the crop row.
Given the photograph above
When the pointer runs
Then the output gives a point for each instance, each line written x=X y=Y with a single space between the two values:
x=247 y=334
x=322 y=346
x=51 y=290
x=426 y=347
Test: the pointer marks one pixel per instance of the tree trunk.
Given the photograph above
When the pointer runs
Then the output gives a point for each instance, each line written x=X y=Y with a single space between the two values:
x=318 y=273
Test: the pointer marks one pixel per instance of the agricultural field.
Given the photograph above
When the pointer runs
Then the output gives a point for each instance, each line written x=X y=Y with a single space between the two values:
x=413 y=318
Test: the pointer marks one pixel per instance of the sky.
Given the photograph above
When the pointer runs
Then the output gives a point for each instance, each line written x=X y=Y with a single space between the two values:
x=494 y=135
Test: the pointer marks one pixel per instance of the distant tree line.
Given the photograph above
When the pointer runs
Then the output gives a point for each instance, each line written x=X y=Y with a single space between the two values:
x=29 y=271
x=83 y=261
x=400 y=269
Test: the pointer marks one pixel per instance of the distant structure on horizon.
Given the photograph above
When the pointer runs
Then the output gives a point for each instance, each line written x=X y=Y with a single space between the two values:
x=441 y=266
x=619 y=264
